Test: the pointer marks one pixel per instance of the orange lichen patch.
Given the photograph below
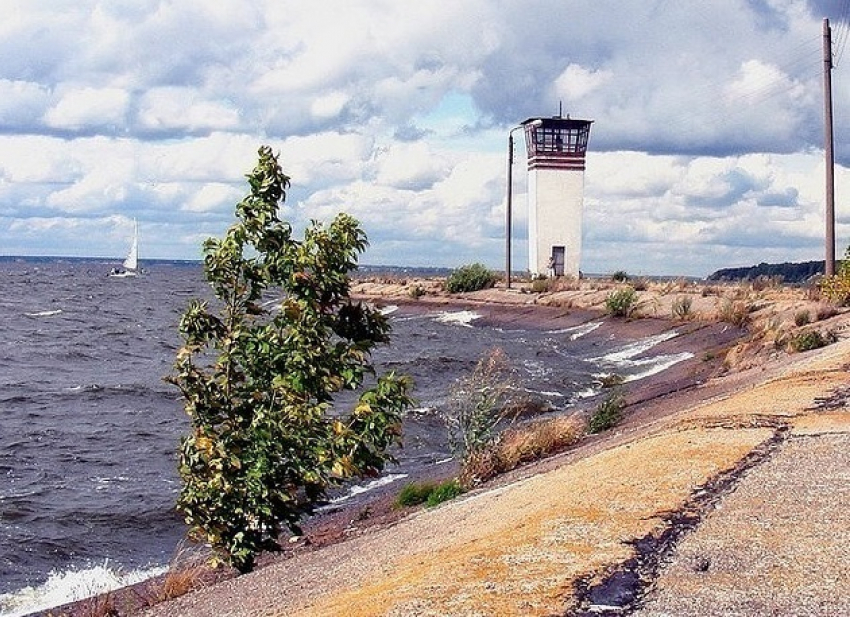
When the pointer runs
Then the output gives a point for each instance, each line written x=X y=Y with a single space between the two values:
x=787 y=397
x=820 y=424
x=518 y=550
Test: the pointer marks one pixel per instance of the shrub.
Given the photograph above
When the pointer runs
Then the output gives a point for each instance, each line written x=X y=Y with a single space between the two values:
x=416 y=292
x=813 y=339
x=414 y=494
x=565 y=283
x=520 y=444
x=736 y=313
x=479 y=403
x=612 y=380
x=540 y=285
x=836 y=288
x=444 y=492
x=802 y=318
x=607 y=414
x=258 y=383
x=470 y=278
x=762 y=282
x=681 y=308
x=622 y=302
x=825 y=311
x=641 y=284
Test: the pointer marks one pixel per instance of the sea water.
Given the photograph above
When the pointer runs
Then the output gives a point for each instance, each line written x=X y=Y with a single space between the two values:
x=89 y=430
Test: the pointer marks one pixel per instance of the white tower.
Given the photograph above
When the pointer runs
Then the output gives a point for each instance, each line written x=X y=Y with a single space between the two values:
x=556 y=153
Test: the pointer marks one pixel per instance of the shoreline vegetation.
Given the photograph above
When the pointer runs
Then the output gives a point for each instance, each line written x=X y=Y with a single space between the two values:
x=743 y=337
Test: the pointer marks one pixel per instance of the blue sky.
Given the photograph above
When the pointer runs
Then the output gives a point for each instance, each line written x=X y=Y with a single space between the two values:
x=706 y=149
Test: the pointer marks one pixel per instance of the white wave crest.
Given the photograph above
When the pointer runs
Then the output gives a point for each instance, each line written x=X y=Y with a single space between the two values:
x=576 y=332
x=44 y=313
x=389 y=310
x=631 y=350
x=71 y=586
x=460 y=318
x=365 y=488
x=586 y=393
x=658 y=364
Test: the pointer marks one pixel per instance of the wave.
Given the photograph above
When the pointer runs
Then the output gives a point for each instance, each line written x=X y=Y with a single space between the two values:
x=658 y=364
x=460 y=318
x=360 y=489
x=389 y=310
x=631 y=350
x=70 y=586
x=44 y=313
x=576 y=332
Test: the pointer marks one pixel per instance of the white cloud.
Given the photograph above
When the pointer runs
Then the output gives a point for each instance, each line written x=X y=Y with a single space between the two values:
x=80 y=108
x=329 y=105
x=577 y=82
x=21 y=102
x=705 y=147
x=212 y=197
x=167 y=109
x=410 y=166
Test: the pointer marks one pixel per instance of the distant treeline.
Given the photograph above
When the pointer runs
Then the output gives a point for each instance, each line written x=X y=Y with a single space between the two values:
x=788 y=272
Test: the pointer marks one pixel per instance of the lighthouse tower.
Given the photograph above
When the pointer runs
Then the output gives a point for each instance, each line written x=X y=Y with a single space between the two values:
x=556 y=153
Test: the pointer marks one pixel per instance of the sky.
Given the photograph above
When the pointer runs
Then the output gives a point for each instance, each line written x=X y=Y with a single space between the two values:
x=706 y=149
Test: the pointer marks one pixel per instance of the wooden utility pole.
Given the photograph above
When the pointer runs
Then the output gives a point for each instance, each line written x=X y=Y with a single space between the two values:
x=828 y=151
x=508 y=208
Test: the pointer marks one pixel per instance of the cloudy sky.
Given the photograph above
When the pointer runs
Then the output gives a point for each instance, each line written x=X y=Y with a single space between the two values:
x=706 y=149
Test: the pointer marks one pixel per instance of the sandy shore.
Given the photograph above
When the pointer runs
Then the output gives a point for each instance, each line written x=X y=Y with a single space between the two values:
x=599 y=528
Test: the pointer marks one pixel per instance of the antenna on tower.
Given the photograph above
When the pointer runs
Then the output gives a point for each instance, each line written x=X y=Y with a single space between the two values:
x=560 y=109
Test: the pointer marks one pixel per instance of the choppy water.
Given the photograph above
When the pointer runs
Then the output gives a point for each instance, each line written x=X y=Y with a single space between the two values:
x=89 y=431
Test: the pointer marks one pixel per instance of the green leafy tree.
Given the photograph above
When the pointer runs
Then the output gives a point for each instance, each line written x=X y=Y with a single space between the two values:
x=259 y=377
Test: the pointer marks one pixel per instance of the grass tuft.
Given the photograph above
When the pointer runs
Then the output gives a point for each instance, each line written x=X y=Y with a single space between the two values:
x=607 y=414
x=681 y=308
x=735 y=312
x=802 y=318
x=622 y=302
x=444 y=492
x=414 y=494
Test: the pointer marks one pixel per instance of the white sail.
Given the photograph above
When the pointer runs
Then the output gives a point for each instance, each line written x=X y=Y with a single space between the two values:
x=132 y=261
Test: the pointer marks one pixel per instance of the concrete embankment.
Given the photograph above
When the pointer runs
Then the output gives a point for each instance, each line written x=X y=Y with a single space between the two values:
x=727 y=498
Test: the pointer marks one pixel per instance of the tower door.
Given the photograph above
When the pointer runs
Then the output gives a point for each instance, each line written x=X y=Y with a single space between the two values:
x=558 y=253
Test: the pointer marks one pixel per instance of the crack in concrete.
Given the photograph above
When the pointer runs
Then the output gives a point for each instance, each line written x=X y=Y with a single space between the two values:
x=623 y=587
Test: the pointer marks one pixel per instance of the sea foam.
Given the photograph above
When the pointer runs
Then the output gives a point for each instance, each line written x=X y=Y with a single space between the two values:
x=71 y=586
x=460 y=318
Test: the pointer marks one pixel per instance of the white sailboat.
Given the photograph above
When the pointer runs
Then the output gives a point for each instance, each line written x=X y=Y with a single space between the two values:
x=131 y=262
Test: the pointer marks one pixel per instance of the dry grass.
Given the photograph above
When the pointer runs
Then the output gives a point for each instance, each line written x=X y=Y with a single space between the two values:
x=187 y=572
x=521 y=444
